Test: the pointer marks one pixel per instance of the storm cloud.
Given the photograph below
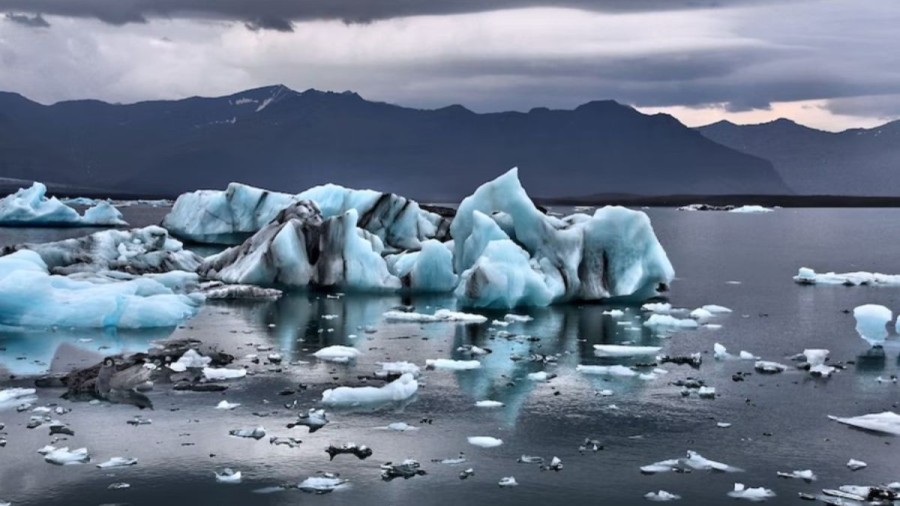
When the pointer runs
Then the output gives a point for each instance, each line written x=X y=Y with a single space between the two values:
x=730 y=57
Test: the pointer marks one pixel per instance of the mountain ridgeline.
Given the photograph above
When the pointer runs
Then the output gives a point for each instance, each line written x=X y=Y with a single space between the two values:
x=281 y=139
x=815 y=162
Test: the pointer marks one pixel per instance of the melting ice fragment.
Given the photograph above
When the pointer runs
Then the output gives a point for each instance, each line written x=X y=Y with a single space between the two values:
x=766 y=367
x=249 y=432
x=118 y=462
x=807 y=276
x=190 y=359
x=871 y=321
x=484 y=441
x=886 y=422
x=606 y=370
x=754 y=494
x=856 y=465
x=693 y=461
x=661 y=496
x=441 y=315
x=337 y=353
x=488 y=404
x=805 y=475
x=669 y=322
x=31 y=207
x=217 y=374
x=400 y=389
x=616 y=350
x=64 y=457
x=453 y=365
x=228 y=475
x=227 y=405
x=322 y=484
x=11 y=397
x=407 y=469
x=508 y=481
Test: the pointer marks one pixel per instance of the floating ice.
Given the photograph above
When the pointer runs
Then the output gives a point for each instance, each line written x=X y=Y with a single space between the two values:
x=219 y=291
x=816 y=359
x=615 y=350
x=427 y=270
x=805 y=475
x=406 y=470
x=750 y=209
x=64 y=457
x=887 y=422
x=516 y=318
x=720 y=352
x=218 y=374
x=705 y=392
x=693 y=461
x=441 y=315
x=871 y=321
x=321 y=484
x=314 y=419
x=249 y=432
x=488 y=404
x=389 y=368
x=400 y=389
x=606 y=370
x=754 y=494
x=661 y=496
x=767 y=367
x=615 y=313
x=539 y=376
x=484 y=441
x=716 y=309
x=807 y=276
x=453 y=365
x=337 y=353
x=399 y=427
x=190 y=359
x=508 y=481
x=118 y=462
x=856 y=465
x=228 y=475
x=31 y=207
x=700 y=314
x=12 y=397
x=31 y=297
x=225 y=405
x=669 y=322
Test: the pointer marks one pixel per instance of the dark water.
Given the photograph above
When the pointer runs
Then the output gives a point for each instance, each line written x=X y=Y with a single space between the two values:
x=779 y=422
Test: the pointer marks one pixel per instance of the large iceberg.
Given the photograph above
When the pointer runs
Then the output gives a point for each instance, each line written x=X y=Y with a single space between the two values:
x=504 y=252
x=31 y=207
x=136 y=251
x=230 y=216
x=30 y=296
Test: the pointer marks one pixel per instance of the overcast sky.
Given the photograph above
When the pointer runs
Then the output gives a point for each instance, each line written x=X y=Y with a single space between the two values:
x=832 y=64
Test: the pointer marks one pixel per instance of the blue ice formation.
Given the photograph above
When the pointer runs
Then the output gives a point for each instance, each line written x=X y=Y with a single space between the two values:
x=31 y=207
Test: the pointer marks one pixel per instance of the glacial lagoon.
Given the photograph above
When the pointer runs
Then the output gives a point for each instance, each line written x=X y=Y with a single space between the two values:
x=777 y=422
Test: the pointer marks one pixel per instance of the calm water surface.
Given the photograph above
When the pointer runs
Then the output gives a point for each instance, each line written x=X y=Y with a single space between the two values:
x=779 y=422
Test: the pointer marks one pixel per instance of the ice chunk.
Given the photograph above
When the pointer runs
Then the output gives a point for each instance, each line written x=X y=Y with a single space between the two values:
x=503 y=277
x=750 y=209
x=31 y=297
x=805 y=475
x=221 y=291
x=700 y=314
x=816 y=359
x=218 y=374
x=484 y=441
x=856 y=465
x=715 y=309
x=11 y=397
x=615 y=313
x=871 y=321
x=249 y=432
x=540 y=376
x=767 y=367
x=807 y=276
x=488 y=404
x=615 y=350
x=400 y=389
x=693 y=461
x=118 y=462
x=887 y=422
x=661 y=496
x=720 y=352
x=190 y=359
x=453 y=365
x=669 y=322
x=64 y=457
x=389 y=368
x=705 y=392
x=337 y=353
x=427 y=270
x=606 y=370
x=399 y=427
x=227 y=405
x=754 y=494
x=314 y=420
x=406 y=470
x=228 y=475
x=31 y=207
x=508 y=481
x=657 y=307
x=321 y=484
x=441 y=315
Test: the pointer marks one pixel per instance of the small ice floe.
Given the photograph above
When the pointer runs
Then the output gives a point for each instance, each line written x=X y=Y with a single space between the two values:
x=590 y=445
x=484 y=441
x=750 y=209
x=441 y=315
x=886 y=422
x=290 y=442
x=864 y=495
x=530 y=459
x=400 y=389
x=399 y=427
x=466 y=473
x=606 y=370
x=750 y=493
x=540 y=376
x=665 y=321
x=452 y=365
x=517 y=318
x=397 y=369
x=227 y=405
x=452 y=462
x=314 y=419
x=488 y=404
x=121 y=485
x=471 y=349
x=767 y=367
x=12 y=397
x=617 y=350
x=701 y=315
x=555 y=465
x=614 y=313
x=118 y=462
x=407 y=469
x=657 y=307
x=249 y=432
x=361 y=452
x=228 y=475
x=190 y=359
x=806 y=475
x=337 y=353
x=807 y=276
x=816 y=358
x=715 y=309
x=605 y=393
x=856 y=465
x=218 y=374
x=720 y=352
x=693 y=461
x=723 y=425
x=661 y=496
x=241 y=292
x=705 y=392
x=508 y=481
x=324 y=484
x=871 y=323
x=746 y=355
x=64 y=457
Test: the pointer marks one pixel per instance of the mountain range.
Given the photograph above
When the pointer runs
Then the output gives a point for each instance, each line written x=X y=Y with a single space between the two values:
x=287 y=140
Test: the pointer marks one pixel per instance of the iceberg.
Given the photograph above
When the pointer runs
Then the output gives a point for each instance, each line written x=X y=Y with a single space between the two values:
x=31 y=207
x=807 y=276
x=400 y=389
x=871 y=322
x=886 y=422
x=31 y=297
x=230 y=216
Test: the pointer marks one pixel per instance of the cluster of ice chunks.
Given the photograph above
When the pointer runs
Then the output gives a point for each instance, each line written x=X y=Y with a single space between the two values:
x=31 y=207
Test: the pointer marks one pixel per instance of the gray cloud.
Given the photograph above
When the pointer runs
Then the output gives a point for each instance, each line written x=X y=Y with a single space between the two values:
x=279 y=14
x=34 y=21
